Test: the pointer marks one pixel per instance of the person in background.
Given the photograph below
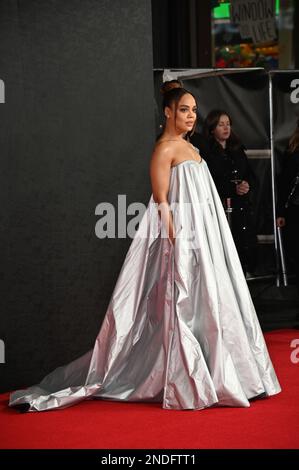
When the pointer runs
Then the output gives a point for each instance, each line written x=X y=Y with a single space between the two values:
x=287 y=209
x=234 y=180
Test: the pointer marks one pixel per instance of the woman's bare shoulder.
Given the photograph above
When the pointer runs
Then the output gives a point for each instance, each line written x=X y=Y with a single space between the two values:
x=163 y=153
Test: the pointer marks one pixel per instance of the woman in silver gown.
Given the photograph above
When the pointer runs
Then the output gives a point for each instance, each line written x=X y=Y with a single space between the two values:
x=180 y=328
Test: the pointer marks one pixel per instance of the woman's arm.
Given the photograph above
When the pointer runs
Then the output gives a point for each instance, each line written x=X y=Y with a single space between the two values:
x=160 y=169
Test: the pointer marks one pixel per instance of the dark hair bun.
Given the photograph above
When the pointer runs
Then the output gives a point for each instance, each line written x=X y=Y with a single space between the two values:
x=170 y=85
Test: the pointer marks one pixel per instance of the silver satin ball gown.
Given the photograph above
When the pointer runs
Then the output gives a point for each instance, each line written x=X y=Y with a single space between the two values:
x=180 y=328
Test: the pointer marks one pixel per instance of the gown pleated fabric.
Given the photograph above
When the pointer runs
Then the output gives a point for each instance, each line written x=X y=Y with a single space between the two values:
x=180 y=328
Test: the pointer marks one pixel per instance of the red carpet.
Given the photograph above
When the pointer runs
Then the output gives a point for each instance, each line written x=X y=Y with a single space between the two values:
x=269 y=423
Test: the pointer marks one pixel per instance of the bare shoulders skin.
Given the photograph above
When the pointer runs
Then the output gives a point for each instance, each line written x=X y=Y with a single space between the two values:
x=177 y=151
x=164 y=152
x=166 y=155
x=160 y=168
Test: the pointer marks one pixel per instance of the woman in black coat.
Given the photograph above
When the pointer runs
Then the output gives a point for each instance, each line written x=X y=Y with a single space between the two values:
x=234 y=180
x=287 y=209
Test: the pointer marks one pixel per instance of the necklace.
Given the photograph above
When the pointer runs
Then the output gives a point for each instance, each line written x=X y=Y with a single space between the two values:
x=172 y=140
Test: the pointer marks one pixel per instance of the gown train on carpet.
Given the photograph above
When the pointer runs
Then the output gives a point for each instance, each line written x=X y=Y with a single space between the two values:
x=180 y=328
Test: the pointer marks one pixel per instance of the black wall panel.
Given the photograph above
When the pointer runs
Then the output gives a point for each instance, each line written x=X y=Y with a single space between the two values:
x=77 y=128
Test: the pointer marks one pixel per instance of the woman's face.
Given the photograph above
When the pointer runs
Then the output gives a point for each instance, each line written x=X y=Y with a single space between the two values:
x=185 y=116
x=223 y=128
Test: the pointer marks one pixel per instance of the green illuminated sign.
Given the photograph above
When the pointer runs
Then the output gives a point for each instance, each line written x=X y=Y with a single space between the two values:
x=222 y=12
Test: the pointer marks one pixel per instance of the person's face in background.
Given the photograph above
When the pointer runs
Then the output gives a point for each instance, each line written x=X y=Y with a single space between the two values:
x=223 y=129
x=184 y=118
